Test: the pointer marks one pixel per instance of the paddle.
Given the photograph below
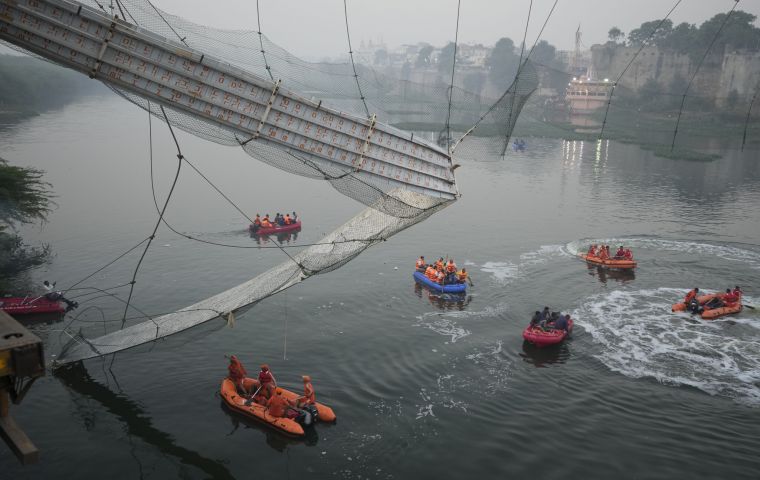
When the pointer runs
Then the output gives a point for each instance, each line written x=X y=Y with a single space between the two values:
x=748 y=306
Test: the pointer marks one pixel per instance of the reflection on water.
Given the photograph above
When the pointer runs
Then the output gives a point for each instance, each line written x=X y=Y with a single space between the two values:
x=620 y=276
x=542 y=357
x=284 y=238
x=443 y=301
x=137 y=422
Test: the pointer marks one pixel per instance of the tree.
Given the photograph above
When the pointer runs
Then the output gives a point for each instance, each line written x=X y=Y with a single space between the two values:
x=24 y=198
x=543 y=53
x=446 y=58
x=503 y=62
x=738 y=33
x=615 y=34
x=681 y=39
x=644 y=36
x=423 y=57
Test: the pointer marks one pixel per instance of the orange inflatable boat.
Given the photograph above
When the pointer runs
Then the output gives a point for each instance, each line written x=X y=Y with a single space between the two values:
x=244 y=406
x=712 y=313
x=611 y=263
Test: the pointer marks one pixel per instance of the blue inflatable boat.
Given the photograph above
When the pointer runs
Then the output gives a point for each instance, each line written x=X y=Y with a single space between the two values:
x=455 y=288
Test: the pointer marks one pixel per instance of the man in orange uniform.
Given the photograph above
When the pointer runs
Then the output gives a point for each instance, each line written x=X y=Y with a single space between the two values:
x=431 y=273
x=730 y=298
x=267 y=381
x=288 y=221
x=439 y=264
x=628 y=254
x=277 y=406
x=420 y=264
x=592 y=250
x=237 y=373
x=620 y=253
x=691 y=295
x=266 y=223
x=462 y=275
x=309 y=397
x=451 y=267
x=603 y=255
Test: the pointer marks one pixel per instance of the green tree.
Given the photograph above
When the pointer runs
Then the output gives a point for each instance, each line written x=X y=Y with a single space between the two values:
x=615 y=34
x=738 y=33
x=543 y=53
x=503 y=62
x=641 y=36
x=681 y=39
x=24 y=198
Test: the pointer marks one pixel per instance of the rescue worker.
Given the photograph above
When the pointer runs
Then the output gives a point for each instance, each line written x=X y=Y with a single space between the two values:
x=420 y=264
x=451 y=267
x=265 y=222
x=592 y=250
x=738 y=291
x=267 y=381
x=439 y=264
x=628 y=254
x=431 y=273
x=603 y=255
x=257 y=220
x=535 y=320
x=277 y=406
x=607 y=249
x=440 y=276
x=309 y=397
x=691 y=295
x=730 y=298
x=288 y=221
x=236 y=373
x=462 y=275
x=295 y=217
x=562 y=322
x=620 y=253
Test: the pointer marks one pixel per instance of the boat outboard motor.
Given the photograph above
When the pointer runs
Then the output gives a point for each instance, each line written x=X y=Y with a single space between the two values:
x=694 y=305
x=308 y=415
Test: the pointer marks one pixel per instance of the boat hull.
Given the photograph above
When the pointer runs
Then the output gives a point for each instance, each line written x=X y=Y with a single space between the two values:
x=293 y=227
x=611 y=263
x=27 y=305
x=419 y=277
x=545 y=338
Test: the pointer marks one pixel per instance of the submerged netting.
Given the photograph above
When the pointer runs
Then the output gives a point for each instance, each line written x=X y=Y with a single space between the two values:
x=422 y=181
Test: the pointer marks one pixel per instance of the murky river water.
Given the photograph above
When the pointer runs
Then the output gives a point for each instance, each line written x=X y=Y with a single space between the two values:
x=423 y=388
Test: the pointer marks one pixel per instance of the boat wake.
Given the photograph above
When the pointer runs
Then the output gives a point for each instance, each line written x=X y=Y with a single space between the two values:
x=726 y=252
x=638 y=336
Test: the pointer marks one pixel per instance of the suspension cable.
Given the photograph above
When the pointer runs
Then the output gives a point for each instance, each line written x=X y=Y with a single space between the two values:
x=451 y=85
x=517 y=77
x=261 y=42
x=746 y=122
x=643 y=44
x=699 y=65
x=351 y=56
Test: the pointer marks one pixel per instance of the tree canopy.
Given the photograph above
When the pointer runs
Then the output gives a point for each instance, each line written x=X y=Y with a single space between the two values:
x=503 y=62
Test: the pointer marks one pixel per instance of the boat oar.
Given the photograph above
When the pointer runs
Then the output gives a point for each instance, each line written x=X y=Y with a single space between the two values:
x=748 y=306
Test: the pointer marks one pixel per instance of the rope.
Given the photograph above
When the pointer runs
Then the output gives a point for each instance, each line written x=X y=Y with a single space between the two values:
x=451 y=86
x=261 y=42
x=683 y=99
x=158 y=222
x=105 y=266
x=496 y=103
x=746 y=122
x=643 y=44
x=351 y=56
x=517 y=77
x=158 y=12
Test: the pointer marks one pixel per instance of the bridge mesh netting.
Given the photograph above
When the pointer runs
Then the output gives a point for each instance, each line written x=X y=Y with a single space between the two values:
x=391 y=207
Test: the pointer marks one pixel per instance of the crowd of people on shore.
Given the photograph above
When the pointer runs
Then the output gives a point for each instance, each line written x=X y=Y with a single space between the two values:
x=602 y=252
x=442 y=272
x=267 y=394
x=278 y=221
x=729 y=299
x=547 y=320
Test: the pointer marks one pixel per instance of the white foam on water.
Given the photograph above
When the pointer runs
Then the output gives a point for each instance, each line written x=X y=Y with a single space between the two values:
x=726 y=252
x=503 y=272
x=639 y=337
x=542 y=255
x=442 y=326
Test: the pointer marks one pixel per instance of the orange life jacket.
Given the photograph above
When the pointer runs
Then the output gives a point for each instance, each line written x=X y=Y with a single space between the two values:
x=266 y=222
x=438 y=264
x=462 y=276
x=287 y=219
x=308 y=393
x=257 y=221
x=276 y=406
x=431 y=273
x=689 y=296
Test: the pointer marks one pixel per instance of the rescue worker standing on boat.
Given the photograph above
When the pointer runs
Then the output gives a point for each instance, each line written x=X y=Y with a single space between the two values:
x=309 y=397
x=267 y=381
x=236 y=373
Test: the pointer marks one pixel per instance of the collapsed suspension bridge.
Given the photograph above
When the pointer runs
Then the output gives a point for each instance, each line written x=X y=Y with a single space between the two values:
x=216 y=92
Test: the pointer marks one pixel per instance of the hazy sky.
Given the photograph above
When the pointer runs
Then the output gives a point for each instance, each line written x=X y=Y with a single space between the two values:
x=315 y=28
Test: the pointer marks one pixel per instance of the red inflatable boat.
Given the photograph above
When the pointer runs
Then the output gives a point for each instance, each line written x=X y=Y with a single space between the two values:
x=293 y=227
x=28 y=305
x=544 y=338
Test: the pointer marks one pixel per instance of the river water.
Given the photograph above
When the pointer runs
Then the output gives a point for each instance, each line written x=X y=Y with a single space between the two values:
x=423 y=387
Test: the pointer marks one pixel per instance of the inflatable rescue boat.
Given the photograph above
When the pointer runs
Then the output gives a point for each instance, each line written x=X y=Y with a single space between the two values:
x=544 y=338
x=710 y=313
x=610 y=263
x=274 y=230
x=291 y=426
x=450 y=288
x=30 y=305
